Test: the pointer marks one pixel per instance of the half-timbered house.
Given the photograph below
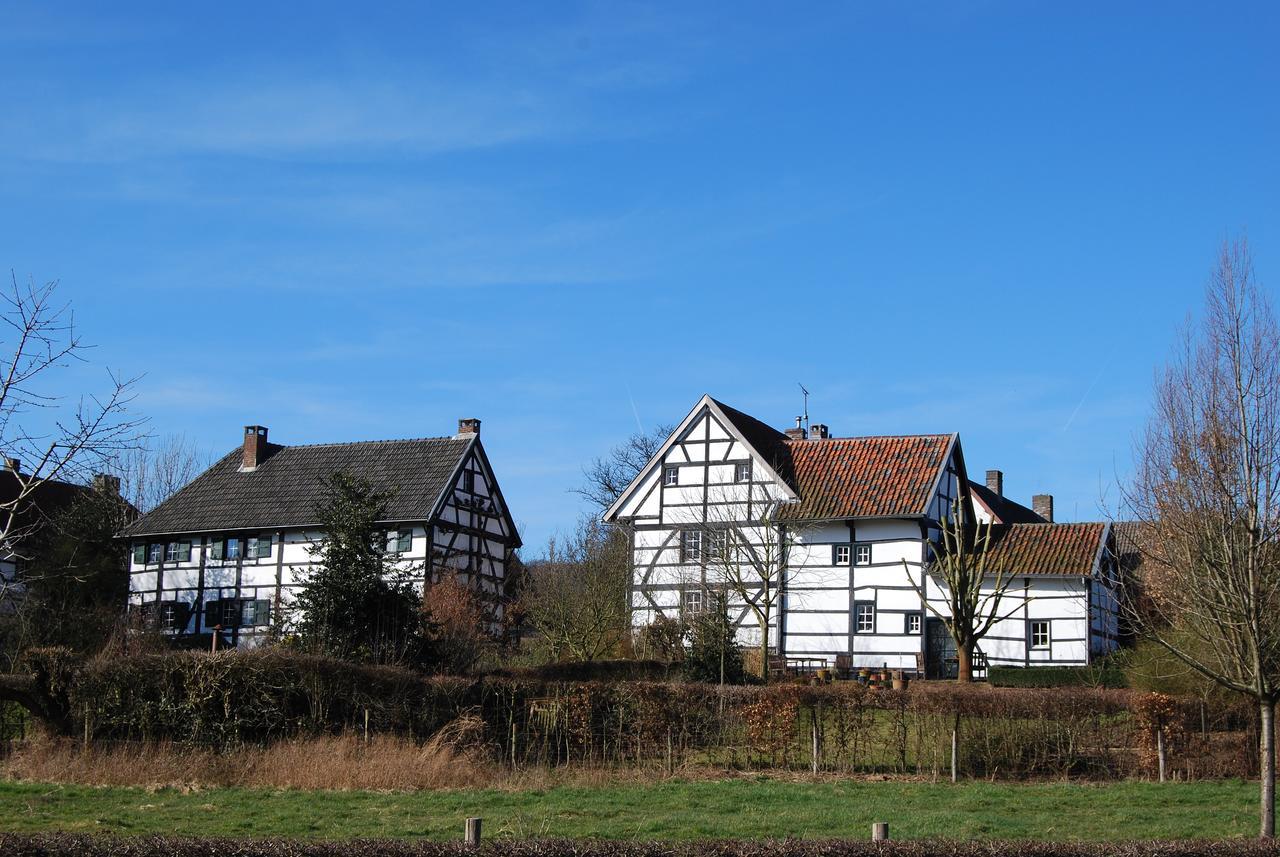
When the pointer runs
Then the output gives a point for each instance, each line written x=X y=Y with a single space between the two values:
x=227 y=550
x=846 y=526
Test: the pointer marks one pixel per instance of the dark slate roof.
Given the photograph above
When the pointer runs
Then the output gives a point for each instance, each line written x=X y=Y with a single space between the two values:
x=864 y=477
x=1005 y=510
x=1050 y=549
x=285 y=489
x=49 y=499
x=763 y=438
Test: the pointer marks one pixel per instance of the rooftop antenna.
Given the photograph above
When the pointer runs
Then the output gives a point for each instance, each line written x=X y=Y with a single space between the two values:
x=805 y=426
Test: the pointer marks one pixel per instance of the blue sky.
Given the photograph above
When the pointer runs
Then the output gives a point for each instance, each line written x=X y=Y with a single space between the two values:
x=364 y=221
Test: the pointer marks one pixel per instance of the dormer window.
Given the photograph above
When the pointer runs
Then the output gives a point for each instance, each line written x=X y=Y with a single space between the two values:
x=671 y=476
x=742 y=473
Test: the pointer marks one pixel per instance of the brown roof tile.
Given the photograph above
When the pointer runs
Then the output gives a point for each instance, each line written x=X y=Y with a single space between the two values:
x=863 y=477
x=1034 y=549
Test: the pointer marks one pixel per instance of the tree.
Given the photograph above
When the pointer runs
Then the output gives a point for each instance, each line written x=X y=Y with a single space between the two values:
x=157 y=468
x=1206 y=491
x=608 y=476
x=747 y=562
x=577 y=600
x=53 y=438
x=457 y=624
x=74 y=585
x=713 y=655
x=356 y=602
x=972 y=585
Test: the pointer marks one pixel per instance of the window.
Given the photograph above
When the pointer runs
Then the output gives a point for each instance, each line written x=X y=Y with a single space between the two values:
x=222 y=611
x=742 y=473
x=840 y=554
x=255 y=611
x=178 y=552
x=139 y=554
x=1038 y=633
x=861 y=554
x=231 y=549
x=864 y=617
x=166 y=615
x=468 y=481
x=914 y=623
x=692 y=601
x=259 y=547
x=691 y=546
x=714 y=544
x=155 y=553
x=671 y=476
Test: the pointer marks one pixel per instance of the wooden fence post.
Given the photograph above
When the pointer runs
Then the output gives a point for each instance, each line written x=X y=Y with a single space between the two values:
x=880 y=831
x=1160 y=750
x=955 y=750
x=472 y=836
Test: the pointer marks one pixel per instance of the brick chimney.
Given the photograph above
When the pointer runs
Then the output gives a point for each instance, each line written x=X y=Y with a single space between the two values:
x=819 y=431
x=255 y=447
x=995 y=482
x=796 y=433
x=105 y=483
x=1042 y=505
x=468 y=428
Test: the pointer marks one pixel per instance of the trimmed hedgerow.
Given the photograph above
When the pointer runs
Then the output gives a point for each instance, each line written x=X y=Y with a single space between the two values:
x=235 y=698
x=80 y=845
x=1056 y=677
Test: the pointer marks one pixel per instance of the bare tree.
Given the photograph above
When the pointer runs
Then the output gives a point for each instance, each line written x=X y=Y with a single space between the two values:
x=158 y=468
x=746 y=562
x=1206 y=491
x=577 y=599
x=607 y=477
x=49 y=436
x=972 y=585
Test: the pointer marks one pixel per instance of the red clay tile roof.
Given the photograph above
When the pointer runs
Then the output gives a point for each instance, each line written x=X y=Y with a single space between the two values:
x=1034 y=549
x=863 y=477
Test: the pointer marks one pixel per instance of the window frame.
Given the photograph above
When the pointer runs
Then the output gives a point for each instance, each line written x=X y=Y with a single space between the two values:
x=858 y=607
x=918 y=616
x=688 y=552
x=177 y=552
x=687 y=597
x=858 y=547
x=835 y=555
x=670 y=476
x=140 y=553
x=155 y=553
x=404 y=541
x=738 y=475
x=1031 y=635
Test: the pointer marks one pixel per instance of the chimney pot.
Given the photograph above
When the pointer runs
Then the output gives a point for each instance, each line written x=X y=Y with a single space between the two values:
x=13 y=465
x=819 y=431
x=468 y=427
x=255 y=447
x=106 y=483
x=1042 y=505
x=995 y=482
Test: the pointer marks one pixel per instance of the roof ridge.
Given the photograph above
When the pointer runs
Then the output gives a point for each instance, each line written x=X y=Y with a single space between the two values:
x=870 y=437
x=364 y=442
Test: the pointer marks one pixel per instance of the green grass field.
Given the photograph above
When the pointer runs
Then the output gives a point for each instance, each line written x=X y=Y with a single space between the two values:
x=665 y=810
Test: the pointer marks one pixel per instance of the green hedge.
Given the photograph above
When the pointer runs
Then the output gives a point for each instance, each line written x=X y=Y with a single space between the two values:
x=1056 y=677
x=82 y=845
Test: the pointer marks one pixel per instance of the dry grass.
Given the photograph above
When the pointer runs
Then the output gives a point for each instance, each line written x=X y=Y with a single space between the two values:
x=337 y=762
x=454 y=758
